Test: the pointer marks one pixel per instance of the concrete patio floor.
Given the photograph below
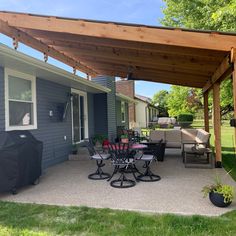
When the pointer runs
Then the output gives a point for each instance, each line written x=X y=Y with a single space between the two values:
x=179 y=190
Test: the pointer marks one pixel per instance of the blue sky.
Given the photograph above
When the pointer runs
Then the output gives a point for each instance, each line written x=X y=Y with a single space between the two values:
x=131 y=11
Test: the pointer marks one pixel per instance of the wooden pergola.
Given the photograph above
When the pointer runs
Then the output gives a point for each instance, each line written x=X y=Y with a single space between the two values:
x=200 y=59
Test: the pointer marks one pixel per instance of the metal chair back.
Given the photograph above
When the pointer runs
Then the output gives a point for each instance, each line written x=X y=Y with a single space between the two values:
x=119 y=153
x=90 y=148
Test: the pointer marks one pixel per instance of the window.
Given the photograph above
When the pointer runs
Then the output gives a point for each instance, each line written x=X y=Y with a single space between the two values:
x=123 y=112
x=20 y=101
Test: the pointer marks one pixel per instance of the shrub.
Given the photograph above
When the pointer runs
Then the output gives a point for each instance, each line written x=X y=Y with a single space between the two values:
x=170 y=126
x=185 y=120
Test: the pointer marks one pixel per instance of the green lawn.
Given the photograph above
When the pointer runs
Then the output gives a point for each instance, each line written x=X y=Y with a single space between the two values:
x=31 y=220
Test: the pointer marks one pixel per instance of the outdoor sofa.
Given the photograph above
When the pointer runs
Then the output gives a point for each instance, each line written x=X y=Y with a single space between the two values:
x=184 y=139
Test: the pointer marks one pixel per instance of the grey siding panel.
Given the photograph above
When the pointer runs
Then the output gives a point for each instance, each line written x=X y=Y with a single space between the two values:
x=100 y=114
x=91 y=128
x=110 y=103
x=51 y=131
x=2 y=100
x=111 y=108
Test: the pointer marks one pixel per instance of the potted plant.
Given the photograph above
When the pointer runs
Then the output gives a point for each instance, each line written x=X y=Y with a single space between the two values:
x=124 y=138
x=220 y=195
x=74 y=149
x=98 y=139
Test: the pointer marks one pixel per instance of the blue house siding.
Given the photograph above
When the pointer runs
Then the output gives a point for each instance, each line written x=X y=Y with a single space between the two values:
x=2 y=100
x=55 y=135
x=110 y=104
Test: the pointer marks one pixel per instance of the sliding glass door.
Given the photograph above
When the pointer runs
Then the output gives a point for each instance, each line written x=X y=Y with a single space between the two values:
x=79 y=116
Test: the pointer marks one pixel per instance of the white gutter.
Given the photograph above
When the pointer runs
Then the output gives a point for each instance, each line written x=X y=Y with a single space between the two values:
x=124 y=97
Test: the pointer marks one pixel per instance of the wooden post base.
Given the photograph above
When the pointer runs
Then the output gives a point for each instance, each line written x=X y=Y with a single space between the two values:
x=218 y=164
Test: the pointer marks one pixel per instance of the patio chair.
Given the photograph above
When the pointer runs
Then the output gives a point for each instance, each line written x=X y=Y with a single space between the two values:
x=121 y=160
x=98 y=157
x=152 y=155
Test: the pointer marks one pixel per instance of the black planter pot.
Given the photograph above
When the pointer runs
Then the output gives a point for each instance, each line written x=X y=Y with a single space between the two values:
x=218 y=200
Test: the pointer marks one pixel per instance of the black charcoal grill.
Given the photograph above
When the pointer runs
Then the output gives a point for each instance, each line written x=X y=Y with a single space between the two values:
x=20 y=160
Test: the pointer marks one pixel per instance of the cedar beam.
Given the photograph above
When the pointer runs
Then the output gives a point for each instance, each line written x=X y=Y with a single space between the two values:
x=119 y=66
x=223 y=70
x=160 y=78
x=40 y=46
x=217 y=123
x=206 y=111
x=129 y=32
x=65 y=40
x=112 y=53
x=143 y=63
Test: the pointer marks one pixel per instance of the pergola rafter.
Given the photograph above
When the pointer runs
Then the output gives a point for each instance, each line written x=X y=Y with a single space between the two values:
x=27 y=39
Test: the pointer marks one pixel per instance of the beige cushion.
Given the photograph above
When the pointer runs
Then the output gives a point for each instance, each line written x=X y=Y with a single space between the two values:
x=173 y=144
x=188 y=147
x=202 y=136
x=156 y=135
x=189 y=135
x=173 y=136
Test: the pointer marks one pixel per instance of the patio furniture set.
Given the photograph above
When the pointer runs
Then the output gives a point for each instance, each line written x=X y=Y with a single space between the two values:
x=124 y=158
x=194 y=144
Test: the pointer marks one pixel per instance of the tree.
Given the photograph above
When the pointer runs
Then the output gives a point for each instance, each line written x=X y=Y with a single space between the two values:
x=183 y=100
x=206 y=15
x=160 y=99
x=200 y=14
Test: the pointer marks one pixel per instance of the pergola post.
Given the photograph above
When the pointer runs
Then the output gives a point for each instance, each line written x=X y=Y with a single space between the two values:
x=206 y=111
x=234 y=94
x=217 y=123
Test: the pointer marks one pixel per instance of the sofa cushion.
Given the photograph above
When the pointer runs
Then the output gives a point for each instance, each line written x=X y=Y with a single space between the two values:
x=173 y=136
x=188 y=147
x=202 y=136
x=157 y=135
x=189 y=135
x=173 y=144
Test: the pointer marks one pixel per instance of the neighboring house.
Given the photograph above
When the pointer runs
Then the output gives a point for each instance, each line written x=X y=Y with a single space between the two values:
x=141 y=111
x=126 y=87
x=122 y=111
x=145 y=112
x=59 y=108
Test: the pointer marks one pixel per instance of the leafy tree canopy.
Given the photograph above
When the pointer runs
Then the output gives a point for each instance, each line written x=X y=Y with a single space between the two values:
x=183 y=100
x=160 y=98
x=200 y=14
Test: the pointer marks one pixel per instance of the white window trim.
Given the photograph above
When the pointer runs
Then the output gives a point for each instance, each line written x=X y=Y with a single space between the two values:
x=123 y=121
x=86 y=133
x=20 y=75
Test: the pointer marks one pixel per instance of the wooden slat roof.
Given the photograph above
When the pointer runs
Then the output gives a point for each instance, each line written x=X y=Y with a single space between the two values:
x=159 y=54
